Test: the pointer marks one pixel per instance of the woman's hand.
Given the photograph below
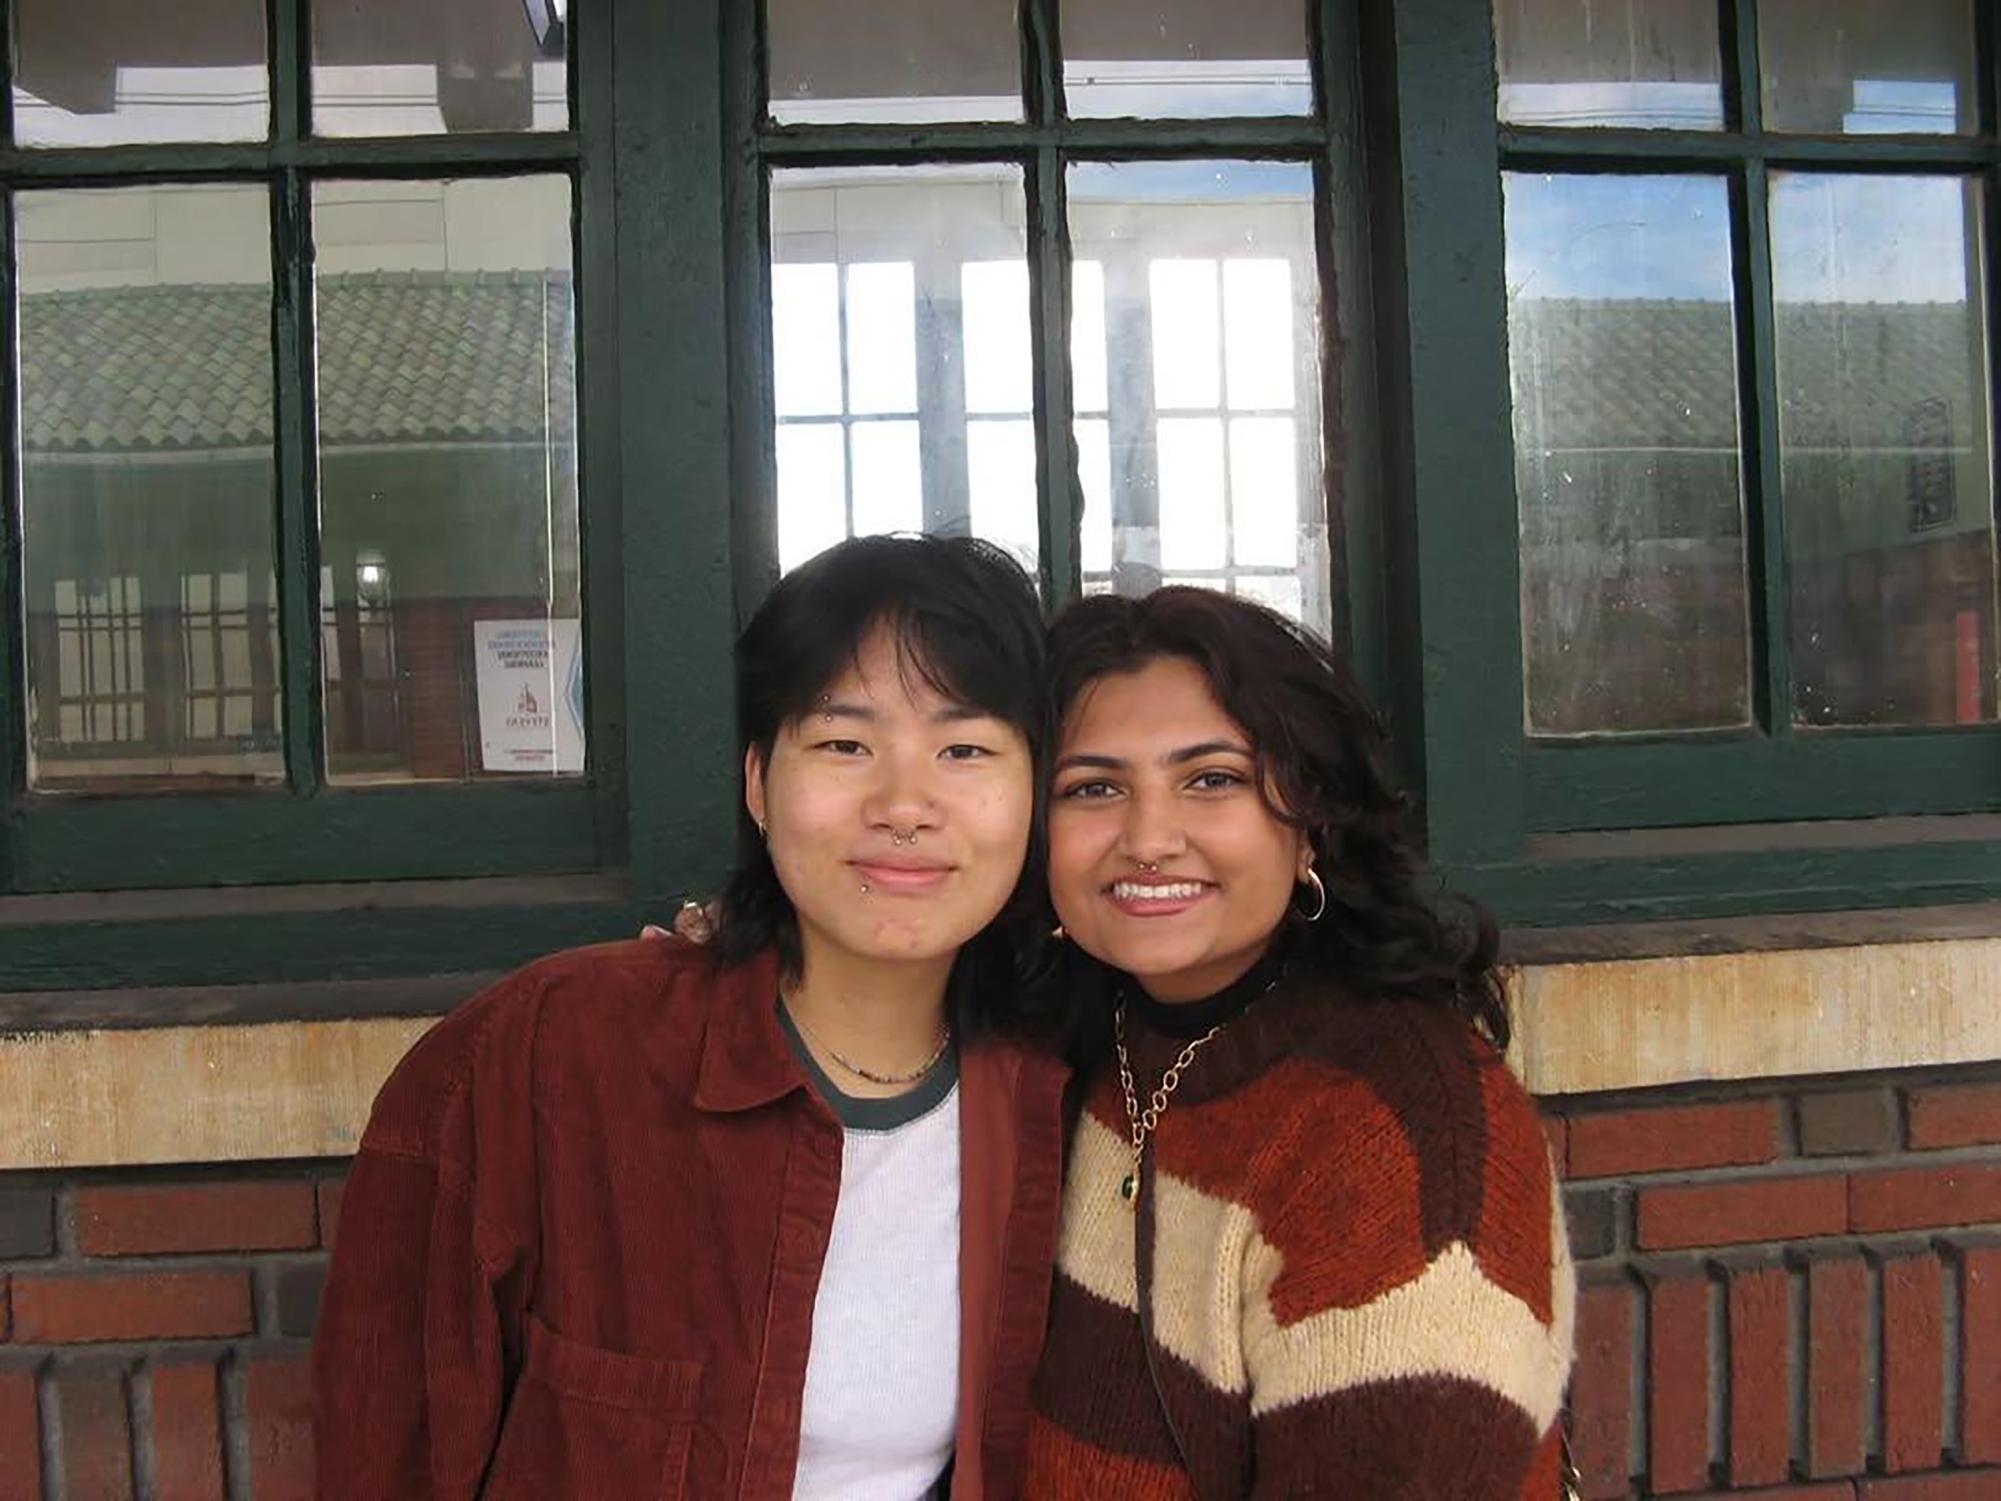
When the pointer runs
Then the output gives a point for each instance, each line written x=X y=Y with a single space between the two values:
x=695 y=923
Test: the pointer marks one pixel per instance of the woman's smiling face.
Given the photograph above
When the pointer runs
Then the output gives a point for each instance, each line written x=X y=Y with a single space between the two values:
x=897 y=819
x=1165 y=860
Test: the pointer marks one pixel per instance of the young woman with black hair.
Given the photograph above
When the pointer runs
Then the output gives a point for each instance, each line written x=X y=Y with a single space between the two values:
x=772 y=1218
x=1311 y=1245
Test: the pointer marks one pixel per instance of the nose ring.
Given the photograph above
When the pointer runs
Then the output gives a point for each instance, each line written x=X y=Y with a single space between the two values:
x=1149 y=867
x=903 y=836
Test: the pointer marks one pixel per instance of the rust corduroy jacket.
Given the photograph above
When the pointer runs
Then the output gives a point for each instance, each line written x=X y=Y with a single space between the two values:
x=580 y=1246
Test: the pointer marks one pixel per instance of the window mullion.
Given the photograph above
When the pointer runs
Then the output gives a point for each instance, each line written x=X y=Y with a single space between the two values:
x=747 y=232
x=13 y=611
x=1057 y=481
x=285 y=20
x=298 y=484
x=1041 y=63
x=1765 y=522
x=13 y=604
x=1758 y=383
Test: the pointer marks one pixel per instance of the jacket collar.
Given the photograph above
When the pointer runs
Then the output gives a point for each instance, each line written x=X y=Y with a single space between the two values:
x=746 y=1061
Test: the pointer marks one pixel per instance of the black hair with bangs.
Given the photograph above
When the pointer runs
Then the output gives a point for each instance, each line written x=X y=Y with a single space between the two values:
x=967 y=623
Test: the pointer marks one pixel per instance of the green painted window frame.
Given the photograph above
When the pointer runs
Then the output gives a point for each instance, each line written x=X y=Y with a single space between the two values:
x=1552 y=834
x=676 y=433
x=307 y=829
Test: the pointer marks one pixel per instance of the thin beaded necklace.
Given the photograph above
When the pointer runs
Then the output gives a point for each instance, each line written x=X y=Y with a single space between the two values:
x=944 y=1042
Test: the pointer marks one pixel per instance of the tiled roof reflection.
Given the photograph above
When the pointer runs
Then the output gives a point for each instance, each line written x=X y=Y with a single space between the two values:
x=410 y=358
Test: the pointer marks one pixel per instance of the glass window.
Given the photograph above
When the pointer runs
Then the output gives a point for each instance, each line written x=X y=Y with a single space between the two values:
x=1196 y=359
x=147 y=487
x=448 y=479
x=1862 y=67
x=901 y=356
x=1180 y=58
x=442 y=67
x=1623 y=358
x=122 y=71
x=1884 y=428
x=832 y=61
x=1640 y=63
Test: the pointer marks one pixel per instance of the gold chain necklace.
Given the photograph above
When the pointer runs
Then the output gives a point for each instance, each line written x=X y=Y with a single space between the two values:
x=1142 y=1122
x=944 y=1042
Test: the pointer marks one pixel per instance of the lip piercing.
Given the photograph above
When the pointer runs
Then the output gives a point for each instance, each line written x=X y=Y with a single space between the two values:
x=902 y=836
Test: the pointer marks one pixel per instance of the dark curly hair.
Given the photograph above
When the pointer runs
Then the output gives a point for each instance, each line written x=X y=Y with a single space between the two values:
x=967 y=623
x=1322 y=759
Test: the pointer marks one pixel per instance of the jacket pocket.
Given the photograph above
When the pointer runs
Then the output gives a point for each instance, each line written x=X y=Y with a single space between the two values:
x=586 y=1422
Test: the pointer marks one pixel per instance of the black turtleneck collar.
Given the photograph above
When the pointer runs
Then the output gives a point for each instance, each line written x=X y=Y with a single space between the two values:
x=1185 y=1019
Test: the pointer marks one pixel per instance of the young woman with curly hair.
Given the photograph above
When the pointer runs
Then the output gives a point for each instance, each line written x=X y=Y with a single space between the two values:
x=1311 y=1244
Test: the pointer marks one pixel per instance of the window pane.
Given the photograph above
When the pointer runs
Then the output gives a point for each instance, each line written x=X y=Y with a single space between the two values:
x=1645 y=63
x=1622 y=350
x=1187 y=360
x=1175 y=59
x=812 y=490
x=134 y=70
x=1863 y=67
x=892 y=60
x=1192 y=507
x=882 y=350
x=382 y=67
x=993 y=297
x=806 y=340
x=888 y=477
x=1087 y=336
x=1885 y=449
x=448 y=478
x=146 y=480
x=1195 y=333
x=1000 y=464
x=899 y=311
x=1094 y=477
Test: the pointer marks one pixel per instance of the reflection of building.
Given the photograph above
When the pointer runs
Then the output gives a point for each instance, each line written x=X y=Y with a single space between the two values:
x=445 y=404
x=902 y=366
x=470 y=65
x=1633 y=534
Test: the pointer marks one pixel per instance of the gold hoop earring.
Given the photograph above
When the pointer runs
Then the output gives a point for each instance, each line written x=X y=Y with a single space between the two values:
x=1312 y=878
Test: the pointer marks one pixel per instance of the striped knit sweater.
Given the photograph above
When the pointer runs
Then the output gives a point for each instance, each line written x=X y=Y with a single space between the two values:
x=1346 y=1275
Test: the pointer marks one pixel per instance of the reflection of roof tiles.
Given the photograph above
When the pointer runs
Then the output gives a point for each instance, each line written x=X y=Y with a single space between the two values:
x=409 y=358
x=1645 y=374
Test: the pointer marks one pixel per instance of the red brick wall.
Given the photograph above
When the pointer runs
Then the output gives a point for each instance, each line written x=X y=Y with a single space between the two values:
x=1789 y=1290
x=154 y=1327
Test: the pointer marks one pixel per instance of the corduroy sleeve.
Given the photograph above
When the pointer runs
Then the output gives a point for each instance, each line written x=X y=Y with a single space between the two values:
x=420 y=1327
x=407 y=1359
x=1421 y=1361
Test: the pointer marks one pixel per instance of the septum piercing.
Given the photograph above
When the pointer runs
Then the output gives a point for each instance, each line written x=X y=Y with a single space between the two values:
x=1149 y=866
x=902 y=836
